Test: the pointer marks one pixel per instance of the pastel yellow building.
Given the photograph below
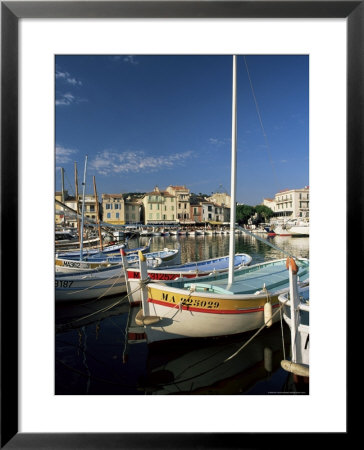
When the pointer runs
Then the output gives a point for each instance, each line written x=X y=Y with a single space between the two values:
x=182 y=195
x=159 y=207
x=113 y=209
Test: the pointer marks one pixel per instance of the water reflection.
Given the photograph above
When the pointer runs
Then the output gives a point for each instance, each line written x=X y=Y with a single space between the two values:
x=93 y=355
x=204 y=247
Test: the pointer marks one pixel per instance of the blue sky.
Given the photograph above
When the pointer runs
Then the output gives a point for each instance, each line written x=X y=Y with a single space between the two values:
x=159 y=120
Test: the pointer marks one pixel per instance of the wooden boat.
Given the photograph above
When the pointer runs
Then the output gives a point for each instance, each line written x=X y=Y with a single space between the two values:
x=199 y=309
x=107 y=251
x=89 y=284
x=296 y=313
x=161 y=258
x=208 y=269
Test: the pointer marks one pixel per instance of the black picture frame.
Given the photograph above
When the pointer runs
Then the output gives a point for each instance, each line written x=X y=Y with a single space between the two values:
x=11 y=12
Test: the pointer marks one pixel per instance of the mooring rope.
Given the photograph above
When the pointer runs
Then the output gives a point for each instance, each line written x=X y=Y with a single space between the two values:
x=62 y=327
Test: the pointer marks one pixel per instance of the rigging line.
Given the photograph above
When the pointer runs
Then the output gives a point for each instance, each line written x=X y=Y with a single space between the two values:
x=106 y=308
x=261 y=124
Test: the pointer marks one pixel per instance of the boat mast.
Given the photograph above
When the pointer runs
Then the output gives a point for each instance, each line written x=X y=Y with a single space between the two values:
x=97 y=213
x=77 y=205
x=83 y=207
x=62 y=181
x=233 y=180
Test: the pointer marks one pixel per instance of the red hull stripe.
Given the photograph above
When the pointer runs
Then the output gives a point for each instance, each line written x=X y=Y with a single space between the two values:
x=210 y=311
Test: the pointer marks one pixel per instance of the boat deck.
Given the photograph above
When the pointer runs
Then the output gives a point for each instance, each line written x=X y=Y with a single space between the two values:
x=273 y=276
x=210 y=265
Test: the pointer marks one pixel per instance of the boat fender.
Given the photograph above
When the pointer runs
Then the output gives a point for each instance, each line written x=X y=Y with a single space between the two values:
x=290 y=262
x=297 y=369
x=268 y=314
x=268 y=359
x=145 y=320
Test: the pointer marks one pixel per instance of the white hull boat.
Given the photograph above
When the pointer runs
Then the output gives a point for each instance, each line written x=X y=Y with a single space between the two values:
x=162 y=258
x=89 y=284
x=296 y=313
x=208 y=269
x=300 y=230
x=198 y=309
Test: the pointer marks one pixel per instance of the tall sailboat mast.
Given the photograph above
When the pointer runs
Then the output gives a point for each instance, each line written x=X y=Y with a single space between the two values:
x=77 y=205
x=83 y=208
x=233 y=179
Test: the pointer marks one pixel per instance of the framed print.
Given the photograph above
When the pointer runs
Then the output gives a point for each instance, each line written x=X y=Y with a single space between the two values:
x=32 y=33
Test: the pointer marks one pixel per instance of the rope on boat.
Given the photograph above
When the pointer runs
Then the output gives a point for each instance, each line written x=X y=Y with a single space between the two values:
x=261 y=124
x=265 y=241
x=255 y=334
x=69 y=324
x=96 y=284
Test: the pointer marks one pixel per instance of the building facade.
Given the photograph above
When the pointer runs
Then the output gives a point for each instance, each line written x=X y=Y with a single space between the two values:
x=290 y=204
x=221 y=199
x=132 y=212
x=113 y=209
x=182 y=195
x=160 y=207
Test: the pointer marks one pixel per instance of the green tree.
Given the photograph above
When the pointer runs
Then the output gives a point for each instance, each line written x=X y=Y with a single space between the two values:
x=243 y=213
x=264 y=212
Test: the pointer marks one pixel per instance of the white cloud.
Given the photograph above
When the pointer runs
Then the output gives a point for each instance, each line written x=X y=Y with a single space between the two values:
x=65 y=99
x=68 y=99
x=219 y=142
x=63 y=155
x=130 y=59
x=109 y=162
x=65 y=76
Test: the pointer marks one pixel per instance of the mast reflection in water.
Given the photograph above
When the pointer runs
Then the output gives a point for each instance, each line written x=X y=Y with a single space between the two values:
x=93 y=355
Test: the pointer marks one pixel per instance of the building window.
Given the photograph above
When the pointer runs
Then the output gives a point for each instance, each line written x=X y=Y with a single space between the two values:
x=117 y=215
x=108 y=215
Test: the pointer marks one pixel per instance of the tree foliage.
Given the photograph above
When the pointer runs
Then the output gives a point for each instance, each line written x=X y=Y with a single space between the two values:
x=264 y=212
x=243 y=213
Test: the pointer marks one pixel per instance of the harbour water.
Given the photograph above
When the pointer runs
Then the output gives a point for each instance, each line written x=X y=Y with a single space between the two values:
x=93 y=355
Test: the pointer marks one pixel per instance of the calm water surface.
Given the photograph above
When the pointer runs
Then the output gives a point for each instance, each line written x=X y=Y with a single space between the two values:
x=93 y=355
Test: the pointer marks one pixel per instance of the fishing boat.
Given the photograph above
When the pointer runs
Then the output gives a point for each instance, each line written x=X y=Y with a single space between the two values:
x=107 y=251
x=296 y=313
x=209 y=309
x=208 y=269
x=90 y=284
x=227 y=306
x=300 y=229
x=282 y=230
x=163 y=258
